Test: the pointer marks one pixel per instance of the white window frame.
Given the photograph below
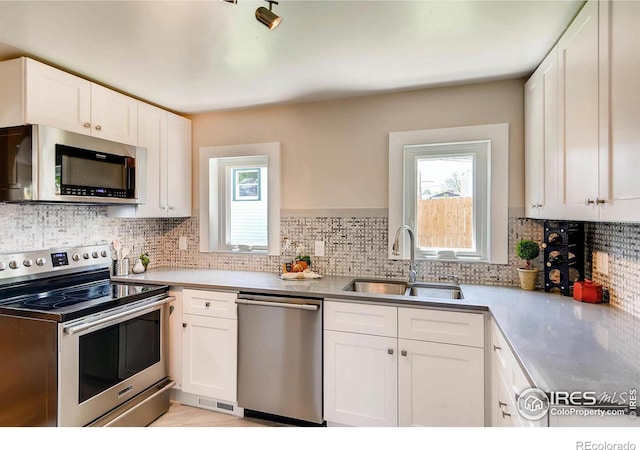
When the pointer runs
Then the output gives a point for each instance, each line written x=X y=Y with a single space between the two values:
x=479 y=150
x=210 y=197
x=497 y=180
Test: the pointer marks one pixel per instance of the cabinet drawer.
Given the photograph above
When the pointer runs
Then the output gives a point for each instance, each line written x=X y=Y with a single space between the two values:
x=448 y=327
x=364 y=319
x=210 y=303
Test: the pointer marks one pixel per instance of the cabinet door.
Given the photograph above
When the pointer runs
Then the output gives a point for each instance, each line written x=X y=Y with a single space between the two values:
x=210 y=357
x=578 y=124
x=152 y=137
x=175 y=337
x=360 y=379
x=178 y=166
x=619 y=25
x=440 y=385
x=114 y=116
x=541 y=139
x=502 y=411
x=533 y=144
x=57 y=99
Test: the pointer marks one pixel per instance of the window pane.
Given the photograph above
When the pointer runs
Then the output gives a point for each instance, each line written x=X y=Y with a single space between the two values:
x=248 y=209
x=444 y=207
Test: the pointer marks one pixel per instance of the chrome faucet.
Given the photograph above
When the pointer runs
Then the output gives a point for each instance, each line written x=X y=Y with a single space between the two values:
x=396 y=245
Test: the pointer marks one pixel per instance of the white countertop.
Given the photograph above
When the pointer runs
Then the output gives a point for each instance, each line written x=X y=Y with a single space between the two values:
x=562 y=344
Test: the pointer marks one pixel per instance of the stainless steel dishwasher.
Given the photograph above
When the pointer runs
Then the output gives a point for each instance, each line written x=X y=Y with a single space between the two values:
x=280 y=356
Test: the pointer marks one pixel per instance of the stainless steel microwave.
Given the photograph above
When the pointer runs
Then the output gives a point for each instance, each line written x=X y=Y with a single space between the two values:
x=39 y=163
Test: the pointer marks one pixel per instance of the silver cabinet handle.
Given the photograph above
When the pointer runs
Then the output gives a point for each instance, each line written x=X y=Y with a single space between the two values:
x=501 y=404
x=600 y=201
x=184 y=325
x=98 y=127
x=86 y=125
x=588 y=202
x=403 y=353
x=390 y=351
x=505 y=414
x=207 y=304
x=242 y=301
x=171 y=208
x=496 y=347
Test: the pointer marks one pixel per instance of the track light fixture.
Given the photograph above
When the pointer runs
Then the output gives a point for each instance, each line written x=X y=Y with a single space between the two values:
x=268 y=17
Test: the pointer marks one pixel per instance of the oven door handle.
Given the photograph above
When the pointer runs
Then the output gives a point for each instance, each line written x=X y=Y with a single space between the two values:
x=116 y=316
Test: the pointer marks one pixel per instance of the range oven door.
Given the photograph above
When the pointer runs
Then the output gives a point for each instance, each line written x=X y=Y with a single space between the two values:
x=109 y=358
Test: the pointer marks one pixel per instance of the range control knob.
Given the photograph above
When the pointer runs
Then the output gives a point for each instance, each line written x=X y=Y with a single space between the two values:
x=41 y=261
x=13 y=264
x=3 y=265
x=27 y=262
x=75 y=257
x=85 y=255
x=103 y=253
x=94 y=254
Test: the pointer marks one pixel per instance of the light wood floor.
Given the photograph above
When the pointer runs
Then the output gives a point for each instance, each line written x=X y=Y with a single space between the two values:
x=186 y=416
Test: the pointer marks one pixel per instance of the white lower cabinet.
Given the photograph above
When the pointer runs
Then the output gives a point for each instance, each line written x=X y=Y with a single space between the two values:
x=384 y=379
x=203 y=347
x=360 y=379
x=440 y=384
x=507 y=383
x=209 y=356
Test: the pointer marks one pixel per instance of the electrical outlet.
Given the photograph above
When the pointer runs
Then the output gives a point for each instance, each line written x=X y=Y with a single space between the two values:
x=602 y=262
x=319 y=248
x=182 y=243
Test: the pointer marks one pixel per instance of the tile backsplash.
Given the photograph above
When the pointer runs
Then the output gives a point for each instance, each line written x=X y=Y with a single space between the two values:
x=354 y=246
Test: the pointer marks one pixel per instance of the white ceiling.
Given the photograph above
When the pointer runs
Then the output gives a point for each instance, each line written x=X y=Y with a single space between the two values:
x=197 y=56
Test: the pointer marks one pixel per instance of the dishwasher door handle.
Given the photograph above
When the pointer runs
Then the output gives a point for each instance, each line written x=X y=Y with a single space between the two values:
x=242 y=301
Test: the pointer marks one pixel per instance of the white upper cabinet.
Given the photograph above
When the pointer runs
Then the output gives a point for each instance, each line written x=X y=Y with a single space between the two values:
x=598 y=113
x=164 y=157
x=579 y=116
x=56 y=98
x=541 y=139
x=114 y=116
x=43 y=95
x=178 y=166
x=619 y=23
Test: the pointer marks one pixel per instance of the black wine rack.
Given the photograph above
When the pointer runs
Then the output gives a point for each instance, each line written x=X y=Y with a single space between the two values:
x=563 y=249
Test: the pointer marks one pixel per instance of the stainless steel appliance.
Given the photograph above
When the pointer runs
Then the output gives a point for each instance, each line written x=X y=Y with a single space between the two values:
x=39 y=163
x=76 y=348
x=280 y=356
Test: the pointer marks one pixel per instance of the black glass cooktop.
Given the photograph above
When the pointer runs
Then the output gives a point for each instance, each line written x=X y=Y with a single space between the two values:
x=75 y=301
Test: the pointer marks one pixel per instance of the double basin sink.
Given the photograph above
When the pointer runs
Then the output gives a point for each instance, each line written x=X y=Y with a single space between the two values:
x=396 y=287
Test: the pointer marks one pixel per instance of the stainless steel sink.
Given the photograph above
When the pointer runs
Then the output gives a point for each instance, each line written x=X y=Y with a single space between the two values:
x=396 y=287
x=377 y=287
x=435 y=291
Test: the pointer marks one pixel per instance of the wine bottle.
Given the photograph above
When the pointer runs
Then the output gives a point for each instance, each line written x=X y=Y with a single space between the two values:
x=555 y=258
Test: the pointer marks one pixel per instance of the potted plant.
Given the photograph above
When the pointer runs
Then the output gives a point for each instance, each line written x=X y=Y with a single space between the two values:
x=527 y=249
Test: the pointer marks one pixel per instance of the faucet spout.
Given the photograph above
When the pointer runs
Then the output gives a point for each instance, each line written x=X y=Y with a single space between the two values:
x=396 y=246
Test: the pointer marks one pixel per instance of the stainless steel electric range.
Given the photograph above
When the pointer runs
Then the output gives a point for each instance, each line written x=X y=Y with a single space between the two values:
x=77 y=349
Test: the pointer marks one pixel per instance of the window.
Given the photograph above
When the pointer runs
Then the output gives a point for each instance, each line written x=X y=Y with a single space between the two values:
x=446 y=196
x=239 y=198
x=451 y=186
x=243 y=222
